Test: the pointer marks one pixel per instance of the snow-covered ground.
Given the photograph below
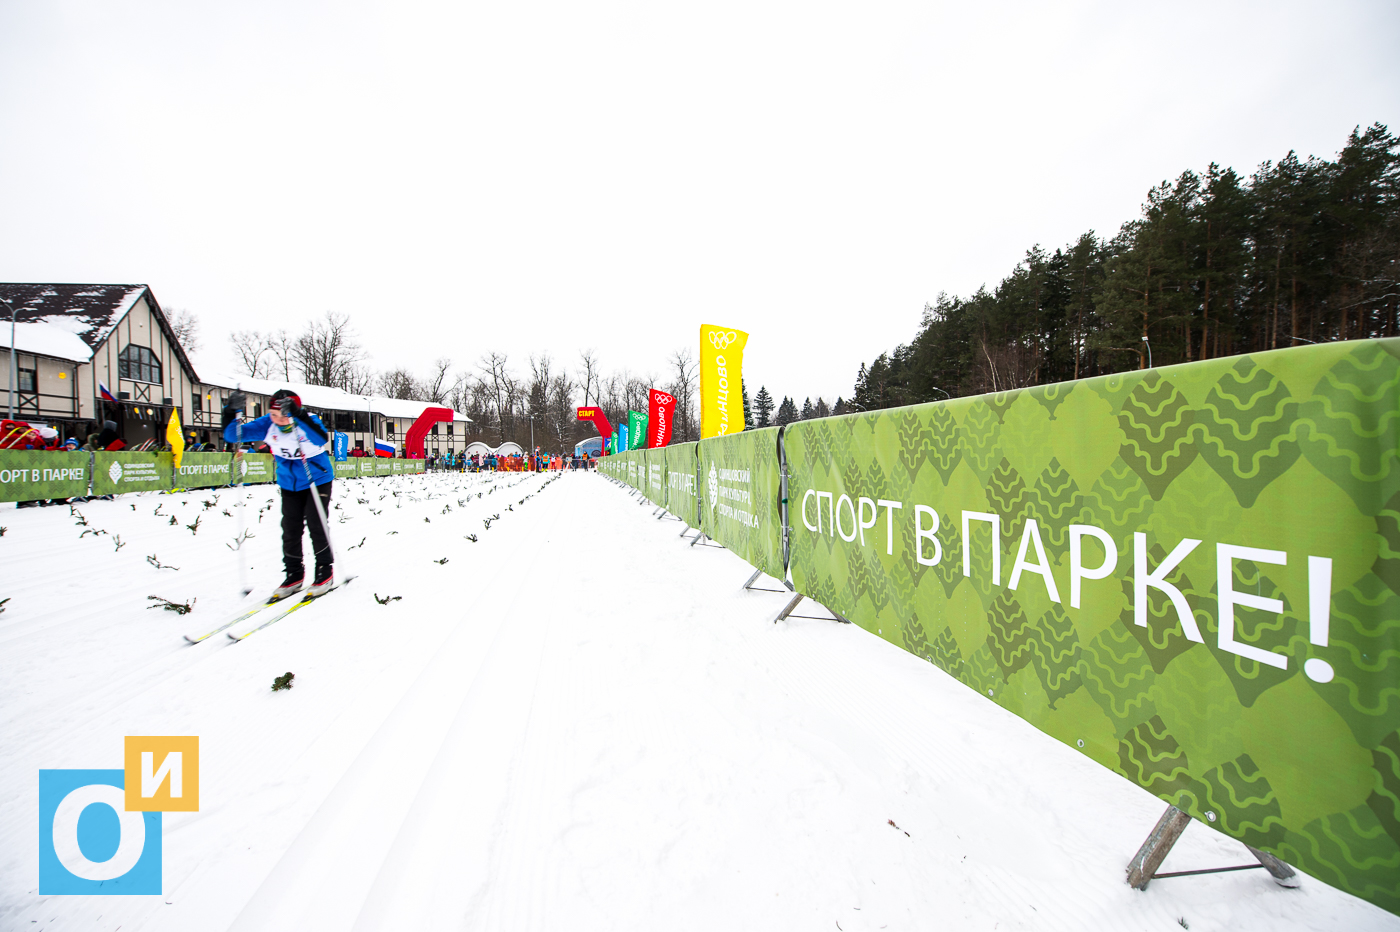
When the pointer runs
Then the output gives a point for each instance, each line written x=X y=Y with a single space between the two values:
x=577 y=722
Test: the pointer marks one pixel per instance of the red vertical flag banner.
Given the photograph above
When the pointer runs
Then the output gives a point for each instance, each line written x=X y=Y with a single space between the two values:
x=663 y=411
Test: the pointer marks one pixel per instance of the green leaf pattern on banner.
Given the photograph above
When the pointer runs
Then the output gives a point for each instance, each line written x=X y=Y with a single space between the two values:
x=1292 y=451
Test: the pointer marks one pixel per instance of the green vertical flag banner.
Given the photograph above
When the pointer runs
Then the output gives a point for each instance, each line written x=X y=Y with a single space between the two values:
x=636 y=430
x=739 y=496
x=1189 y=574
x=36 y=475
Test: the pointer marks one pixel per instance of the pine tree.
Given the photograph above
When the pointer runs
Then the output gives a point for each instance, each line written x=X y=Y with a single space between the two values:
x=840 y=407
x=787 y=411
x=748 y=410
x=808 y=412
x=821 y=409
x=763 y=406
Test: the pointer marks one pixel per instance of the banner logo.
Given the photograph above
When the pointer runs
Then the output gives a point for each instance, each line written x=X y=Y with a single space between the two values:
x=115 y=471
x=100 y=830
x=712 y=485
x=722 y=340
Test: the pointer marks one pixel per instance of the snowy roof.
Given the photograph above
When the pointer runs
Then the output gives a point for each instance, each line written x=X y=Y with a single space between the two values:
x=72 y=321
x=332 y=399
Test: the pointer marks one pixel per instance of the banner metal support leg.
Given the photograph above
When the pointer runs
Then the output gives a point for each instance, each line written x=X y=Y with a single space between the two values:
x=1142 y=870
x=788 y=608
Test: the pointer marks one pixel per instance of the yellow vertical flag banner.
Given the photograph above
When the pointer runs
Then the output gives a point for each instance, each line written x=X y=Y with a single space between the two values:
x=175 y=438
x=721 y=380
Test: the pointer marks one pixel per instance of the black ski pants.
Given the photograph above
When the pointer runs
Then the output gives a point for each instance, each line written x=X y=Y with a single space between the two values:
x=298 y=511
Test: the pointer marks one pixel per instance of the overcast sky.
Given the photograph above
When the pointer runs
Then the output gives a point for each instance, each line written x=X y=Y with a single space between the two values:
x=548 y=177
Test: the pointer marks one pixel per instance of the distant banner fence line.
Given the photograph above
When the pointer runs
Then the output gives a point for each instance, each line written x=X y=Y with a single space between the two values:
x=1189 y=574
x=36 y=475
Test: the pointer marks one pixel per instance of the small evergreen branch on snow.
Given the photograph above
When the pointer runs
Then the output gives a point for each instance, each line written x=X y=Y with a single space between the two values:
x=440 y=562
x=284 y=681
x=360 y=544
x=3 y=530
x=426 y=521
x=387 y=599
x=154 y=561
x=81 y=522
x=2 y=605
x=471 y=537
x=92 y=530
x=226 y=513
x=238 y=541
x=118 y=541
x=194 y=528
x=179 y=608
x=174 y=520
x=210 y=503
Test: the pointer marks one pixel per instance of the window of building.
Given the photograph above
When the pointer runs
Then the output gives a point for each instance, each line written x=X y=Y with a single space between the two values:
x=198 y=400
x=138 y=364
x=435 y=432
x=28 y=380
x=257 y=409
x=449 y=430
x=389 y=428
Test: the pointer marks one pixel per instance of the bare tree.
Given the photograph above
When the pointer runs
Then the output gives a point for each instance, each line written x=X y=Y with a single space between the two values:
x=186 y=327
x=359 y=379
x=326 y=351
x=280 y=345
x=251 y=349
x=502 y=391
x=433 y=388
x=683 y=388
x=397 y=383
x=589 y=360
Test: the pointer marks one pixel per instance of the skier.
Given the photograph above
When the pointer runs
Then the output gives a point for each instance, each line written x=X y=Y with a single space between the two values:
x=297 y=439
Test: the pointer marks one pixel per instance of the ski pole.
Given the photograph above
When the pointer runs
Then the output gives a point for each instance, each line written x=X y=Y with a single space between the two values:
x=242 y=519
x=320 y=509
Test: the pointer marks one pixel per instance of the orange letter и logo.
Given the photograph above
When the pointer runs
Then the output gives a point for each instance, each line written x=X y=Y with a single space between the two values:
x=162 y=774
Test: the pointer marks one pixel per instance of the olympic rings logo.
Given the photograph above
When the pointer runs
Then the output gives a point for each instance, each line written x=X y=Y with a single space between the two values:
x=721 y=340
x=664 y=399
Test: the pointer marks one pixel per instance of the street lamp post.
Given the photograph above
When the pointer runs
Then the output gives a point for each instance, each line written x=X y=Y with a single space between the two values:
x=1149 y=350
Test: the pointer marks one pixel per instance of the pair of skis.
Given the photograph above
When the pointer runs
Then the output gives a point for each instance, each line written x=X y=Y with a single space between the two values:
x=261 y=607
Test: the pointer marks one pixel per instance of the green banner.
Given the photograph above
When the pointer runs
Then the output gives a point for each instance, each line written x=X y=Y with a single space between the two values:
x=36 y=475
x=1191 y=574
x=367 y=465
x=654 y=482
x=636 y=430
x=204 y=470
x=347 y=469
x=258 y=468
x=739 y=496
x=680 y=480
x=115 y=473
x=383 y=466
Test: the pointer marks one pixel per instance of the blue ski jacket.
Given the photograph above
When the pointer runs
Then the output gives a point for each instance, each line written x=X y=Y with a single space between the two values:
x=306 y=439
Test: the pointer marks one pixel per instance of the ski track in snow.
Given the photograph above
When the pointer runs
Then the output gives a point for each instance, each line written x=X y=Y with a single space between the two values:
x=579 y=722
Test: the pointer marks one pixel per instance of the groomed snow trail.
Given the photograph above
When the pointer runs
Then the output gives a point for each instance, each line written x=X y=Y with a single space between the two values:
x=578 y=722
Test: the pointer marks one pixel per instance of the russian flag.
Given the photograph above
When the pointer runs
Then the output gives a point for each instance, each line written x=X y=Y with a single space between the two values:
x=383 y=447
x=106 y=392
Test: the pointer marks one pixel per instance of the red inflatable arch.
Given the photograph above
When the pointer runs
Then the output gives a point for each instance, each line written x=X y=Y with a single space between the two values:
x=413 y=442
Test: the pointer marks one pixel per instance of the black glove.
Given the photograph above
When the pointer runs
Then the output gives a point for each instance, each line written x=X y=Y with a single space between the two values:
x=288 y=407
x=234 y=405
